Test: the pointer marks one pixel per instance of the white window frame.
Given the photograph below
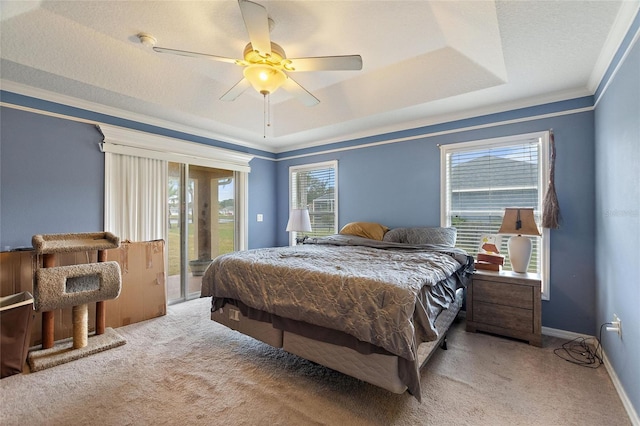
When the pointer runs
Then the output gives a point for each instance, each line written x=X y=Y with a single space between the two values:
x=543 y=177
x=333 y=164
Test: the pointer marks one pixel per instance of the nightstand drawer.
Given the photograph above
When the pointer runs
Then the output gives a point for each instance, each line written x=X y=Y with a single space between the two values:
x=503 y=316
x=518 y=296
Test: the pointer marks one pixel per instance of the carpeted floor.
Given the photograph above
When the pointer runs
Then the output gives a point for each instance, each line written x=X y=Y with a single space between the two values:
x=185 y=369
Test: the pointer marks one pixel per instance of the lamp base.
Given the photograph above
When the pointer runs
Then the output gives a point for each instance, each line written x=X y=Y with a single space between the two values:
x=519 y=253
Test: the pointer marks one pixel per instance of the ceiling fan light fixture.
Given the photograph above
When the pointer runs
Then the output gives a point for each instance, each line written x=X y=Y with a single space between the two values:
x=264 y=78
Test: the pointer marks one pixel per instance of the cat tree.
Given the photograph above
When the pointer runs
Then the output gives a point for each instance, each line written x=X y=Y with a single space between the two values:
x=59 y=287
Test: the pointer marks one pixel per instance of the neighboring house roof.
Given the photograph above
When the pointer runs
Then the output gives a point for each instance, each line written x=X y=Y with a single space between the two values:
x=474 y=174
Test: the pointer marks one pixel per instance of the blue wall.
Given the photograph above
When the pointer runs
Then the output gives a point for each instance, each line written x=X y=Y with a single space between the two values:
x=262 y=200
x=617 y=122
x=398 y=184
x=52 y=176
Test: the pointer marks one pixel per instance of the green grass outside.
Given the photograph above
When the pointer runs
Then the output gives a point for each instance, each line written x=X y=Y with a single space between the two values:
x=226 y=235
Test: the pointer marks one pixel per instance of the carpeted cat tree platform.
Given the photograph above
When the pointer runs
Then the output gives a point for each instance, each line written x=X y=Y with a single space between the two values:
x=59 y=287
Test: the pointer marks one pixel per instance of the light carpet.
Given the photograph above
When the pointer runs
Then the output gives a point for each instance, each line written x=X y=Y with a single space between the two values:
x=184 y=368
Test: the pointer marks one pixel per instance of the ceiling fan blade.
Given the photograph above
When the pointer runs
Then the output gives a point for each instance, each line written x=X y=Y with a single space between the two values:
x=257 y=22
x=327 y=63
x=236 y=90
x=194 y=54
x=291 y=86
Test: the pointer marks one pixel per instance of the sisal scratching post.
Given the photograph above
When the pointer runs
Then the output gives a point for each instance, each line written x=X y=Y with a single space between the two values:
x=80 y=315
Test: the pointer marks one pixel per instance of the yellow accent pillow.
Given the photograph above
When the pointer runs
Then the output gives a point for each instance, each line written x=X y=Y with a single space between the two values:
x=371 y=230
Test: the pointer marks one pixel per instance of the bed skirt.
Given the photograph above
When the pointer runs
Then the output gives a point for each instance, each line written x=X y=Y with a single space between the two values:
x=380 y=369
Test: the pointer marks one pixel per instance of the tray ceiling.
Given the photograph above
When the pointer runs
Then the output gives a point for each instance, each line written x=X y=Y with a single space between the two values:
x=424 y=61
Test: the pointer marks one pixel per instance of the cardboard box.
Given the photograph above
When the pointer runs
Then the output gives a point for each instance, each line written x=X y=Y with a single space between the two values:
x=143 y=294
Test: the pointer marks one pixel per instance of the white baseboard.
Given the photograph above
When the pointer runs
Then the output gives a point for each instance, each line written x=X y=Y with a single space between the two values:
x=626 y=402
x=562 y=334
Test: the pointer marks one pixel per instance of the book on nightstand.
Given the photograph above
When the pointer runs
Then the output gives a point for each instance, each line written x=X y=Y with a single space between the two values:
x=486 y=266
x=494 y=258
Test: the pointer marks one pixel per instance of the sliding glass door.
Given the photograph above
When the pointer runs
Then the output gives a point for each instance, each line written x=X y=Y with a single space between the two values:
x=202 y=224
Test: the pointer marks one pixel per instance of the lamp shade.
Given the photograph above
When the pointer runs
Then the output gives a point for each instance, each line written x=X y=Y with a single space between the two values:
x=299 y=221
x=519 y=222
x=265 y=79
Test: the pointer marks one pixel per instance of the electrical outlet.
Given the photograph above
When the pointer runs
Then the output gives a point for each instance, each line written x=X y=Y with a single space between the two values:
x=617 y=323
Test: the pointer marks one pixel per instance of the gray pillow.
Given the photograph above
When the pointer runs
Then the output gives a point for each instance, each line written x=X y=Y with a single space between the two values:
x=422 y=235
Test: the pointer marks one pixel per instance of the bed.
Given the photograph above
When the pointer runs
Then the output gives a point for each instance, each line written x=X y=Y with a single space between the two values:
x=374 y=306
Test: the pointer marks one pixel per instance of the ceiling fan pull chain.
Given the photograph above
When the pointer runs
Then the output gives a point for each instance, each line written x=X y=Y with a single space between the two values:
x=269 y=110
x=264 y=116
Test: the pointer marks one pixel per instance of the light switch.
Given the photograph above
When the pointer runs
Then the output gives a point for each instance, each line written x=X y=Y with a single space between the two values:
x=260 y=217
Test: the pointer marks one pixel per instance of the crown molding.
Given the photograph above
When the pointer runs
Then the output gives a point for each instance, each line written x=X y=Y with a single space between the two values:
x=610 y=48
x=69 y=101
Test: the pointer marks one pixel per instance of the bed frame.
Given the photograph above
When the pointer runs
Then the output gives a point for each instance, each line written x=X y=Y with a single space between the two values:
x=378 y=369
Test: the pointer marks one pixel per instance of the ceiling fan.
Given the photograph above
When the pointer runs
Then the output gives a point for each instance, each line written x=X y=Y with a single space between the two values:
x=266 y=66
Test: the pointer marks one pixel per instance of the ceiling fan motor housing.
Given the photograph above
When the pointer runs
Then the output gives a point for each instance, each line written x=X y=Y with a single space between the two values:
x=277 y=58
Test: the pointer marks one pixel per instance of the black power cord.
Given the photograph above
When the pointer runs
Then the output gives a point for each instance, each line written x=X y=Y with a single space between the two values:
x=580 y=351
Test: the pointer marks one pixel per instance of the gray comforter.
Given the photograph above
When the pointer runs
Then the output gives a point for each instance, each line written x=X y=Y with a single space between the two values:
x=382 y=293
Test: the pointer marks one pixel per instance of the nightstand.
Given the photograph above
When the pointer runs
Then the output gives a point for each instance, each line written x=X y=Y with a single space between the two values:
x=505 y=303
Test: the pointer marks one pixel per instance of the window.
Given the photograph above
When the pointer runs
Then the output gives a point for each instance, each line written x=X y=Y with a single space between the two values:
x=314 y=186
x=481 y=178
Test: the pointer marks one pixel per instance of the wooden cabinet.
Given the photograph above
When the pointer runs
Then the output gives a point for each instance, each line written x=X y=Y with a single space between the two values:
x=505 y=303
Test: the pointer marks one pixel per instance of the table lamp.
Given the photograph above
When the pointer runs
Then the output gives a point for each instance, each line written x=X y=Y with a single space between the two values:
x=519 y=222
x=299 y=222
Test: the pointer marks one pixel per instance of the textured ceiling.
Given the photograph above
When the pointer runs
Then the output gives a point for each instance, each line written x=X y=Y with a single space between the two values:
x=423 y=62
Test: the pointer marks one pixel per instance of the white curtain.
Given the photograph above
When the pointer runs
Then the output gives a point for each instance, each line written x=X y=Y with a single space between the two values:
x=135 y=197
